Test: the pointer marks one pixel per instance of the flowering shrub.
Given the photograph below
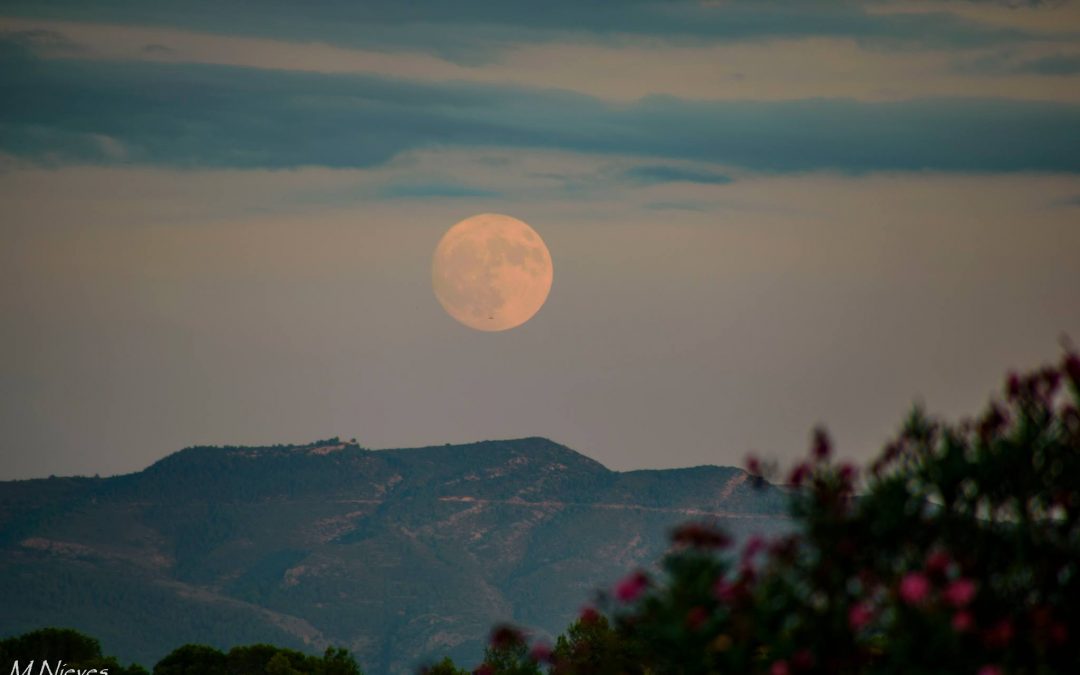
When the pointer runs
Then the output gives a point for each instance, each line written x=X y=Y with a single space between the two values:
x=959 y=553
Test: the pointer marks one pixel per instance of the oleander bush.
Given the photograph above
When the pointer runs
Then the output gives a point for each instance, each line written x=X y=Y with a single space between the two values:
x=956 y=551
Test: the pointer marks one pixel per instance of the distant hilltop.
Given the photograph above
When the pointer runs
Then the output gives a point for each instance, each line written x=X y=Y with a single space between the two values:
x=401 y=555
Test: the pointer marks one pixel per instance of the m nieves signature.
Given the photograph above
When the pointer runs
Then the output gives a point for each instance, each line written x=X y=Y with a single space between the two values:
x=54 y=668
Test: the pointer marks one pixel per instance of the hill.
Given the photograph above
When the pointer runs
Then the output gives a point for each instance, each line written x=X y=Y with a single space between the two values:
x=399 y=555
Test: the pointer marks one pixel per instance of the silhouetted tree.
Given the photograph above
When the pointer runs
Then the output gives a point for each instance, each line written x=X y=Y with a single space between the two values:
x=592 y=646
x=193 y=660
x=337 y=661
x=508 y=653
x=444 y=667
x=62 y=644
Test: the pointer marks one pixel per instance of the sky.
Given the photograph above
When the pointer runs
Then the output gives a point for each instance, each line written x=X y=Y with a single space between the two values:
x=218 y=221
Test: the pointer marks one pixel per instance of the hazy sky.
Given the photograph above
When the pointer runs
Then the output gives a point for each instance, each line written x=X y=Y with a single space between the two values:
x=217 y=222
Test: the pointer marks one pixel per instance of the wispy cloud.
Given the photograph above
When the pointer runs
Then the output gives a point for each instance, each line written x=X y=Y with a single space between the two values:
x=205 y=115
x=1056 y=64
x=624 y=70
x=478 y=30
x=435 y=191
x=676 y=206
x=661 y=173
x=36 y=39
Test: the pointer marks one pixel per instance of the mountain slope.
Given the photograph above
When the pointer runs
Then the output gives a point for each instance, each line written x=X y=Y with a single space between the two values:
x=400 y=555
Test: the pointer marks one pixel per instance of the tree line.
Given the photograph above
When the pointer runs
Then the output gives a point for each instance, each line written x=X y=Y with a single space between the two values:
x=82 y=653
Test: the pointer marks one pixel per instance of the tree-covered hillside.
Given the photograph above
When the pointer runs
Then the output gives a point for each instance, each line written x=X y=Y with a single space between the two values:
x=397 y=555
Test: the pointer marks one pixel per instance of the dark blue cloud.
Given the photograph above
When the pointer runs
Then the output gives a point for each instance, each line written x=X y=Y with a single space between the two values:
x=1057 y=64
x=199 y=115
x=661 y=173
x=676 y=206
x=1003 y=62
x=474 y=30
x=445 y=190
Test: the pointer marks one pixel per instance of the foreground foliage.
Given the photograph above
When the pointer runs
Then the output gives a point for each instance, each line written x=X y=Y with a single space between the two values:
x=957 y=552
x=61 y=644
x=255 y=660
x=81 y=652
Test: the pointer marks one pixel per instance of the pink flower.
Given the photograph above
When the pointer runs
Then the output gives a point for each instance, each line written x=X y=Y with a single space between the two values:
x=540 y=653
x=484 y=669
x=992 y=422
x=859 y=615
x=990 y=670
x=753 y=465
x=799 y=474
x=589 y=615
x=724 y=591
x=746 y=574
x=960 y=592
x=1012 y=386
x=1000 y=635
x=914 y=588
x=631 y=587
x=784 y=548
x=780 y=668
x=1051 y=379
x=1059 y=633
x=700 y=535
x=803 y=659
x=696 y=617
x=822 y=445
x=962 y=621
x=505 y=636
x=754 y=545
x=1072 y=367
x=937 y=563
x=847 y=472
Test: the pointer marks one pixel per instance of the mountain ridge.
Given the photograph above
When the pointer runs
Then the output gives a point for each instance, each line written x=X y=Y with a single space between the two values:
x=400 y=554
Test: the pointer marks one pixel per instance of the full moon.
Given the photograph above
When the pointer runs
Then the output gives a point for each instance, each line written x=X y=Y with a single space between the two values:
x=491 y=272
